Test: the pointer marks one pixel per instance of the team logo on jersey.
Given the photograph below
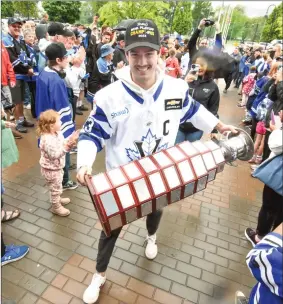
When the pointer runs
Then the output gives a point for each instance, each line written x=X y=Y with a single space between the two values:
x=173 y=104
x=148 y=145
x=119 y=113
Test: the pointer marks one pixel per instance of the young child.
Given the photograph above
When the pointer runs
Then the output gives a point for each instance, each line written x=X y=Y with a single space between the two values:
x=265 y=262
x=172 y=65
x=53 y=148
x=259 y=143
x=248 y=86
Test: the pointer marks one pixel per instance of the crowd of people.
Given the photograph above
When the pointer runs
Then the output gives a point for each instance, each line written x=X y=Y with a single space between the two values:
x=58 y=72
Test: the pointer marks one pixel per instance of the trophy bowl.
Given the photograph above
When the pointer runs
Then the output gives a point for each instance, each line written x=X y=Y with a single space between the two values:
x=237 y=146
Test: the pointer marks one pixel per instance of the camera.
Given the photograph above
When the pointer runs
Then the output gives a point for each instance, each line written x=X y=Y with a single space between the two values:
x=208 y=22
x=194 y=69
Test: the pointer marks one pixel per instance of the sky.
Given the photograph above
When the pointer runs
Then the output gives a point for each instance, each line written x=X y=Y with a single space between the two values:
x=253 y=8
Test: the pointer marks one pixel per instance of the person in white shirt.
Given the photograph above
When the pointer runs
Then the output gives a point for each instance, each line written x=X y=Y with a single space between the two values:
x=135 y=117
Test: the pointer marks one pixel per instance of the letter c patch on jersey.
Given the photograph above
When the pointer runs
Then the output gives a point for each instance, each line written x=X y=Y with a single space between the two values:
x=173 y=104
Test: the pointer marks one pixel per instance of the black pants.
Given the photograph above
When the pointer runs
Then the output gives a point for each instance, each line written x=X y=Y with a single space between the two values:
x=239 y=79
x=32 y=89
x=253 y=128
x=271 y=213
x=228 y=80
x=266 y=150
x=106 y=244
x=2 y=241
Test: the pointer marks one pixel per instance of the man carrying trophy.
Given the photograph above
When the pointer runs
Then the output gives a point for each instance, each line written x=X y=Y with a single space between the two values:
x=134 y=117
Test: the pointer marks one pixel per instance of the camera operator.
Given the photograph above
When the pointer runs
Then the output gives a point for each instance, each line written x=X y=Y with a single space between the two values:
x=203 y=89
x=203 y=43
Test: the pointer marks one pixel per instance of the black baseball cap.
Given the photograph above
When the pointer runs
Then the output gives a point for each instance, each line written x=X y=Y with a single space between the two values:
x=121 y=37
x=13 y=20
x=55 y=50
x=69 y=33
x=142 y=32
x=56 y=28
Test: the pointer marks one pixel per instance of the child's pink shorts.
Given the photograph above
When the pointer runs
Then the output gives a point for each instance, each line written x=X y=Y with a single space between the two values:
x=260 y=128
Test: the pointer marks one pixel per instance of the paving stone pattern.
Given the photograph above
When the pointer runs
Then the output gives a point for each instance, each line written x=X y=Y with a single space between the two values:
x=201 y=242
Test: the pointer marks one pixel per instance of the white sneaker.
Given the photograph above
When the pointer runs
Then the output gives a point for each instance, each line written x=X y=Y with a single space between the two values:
x=151 y=249
x=28 y=106
x=91 y=294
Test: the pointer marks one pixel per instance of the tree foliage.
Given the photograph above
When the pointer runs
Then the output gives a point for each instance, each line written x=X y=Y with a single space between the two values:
x=182 y=21
x=114 y=11
x=243 y=27
x=23 y=8
x=273 y=26
x=7 y=9
x=201 y=9
x=86 y=13
x=63 y=11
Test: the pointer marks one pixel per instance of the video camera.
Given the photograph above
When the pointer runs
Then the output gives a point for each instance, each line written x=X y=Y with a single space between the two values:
x=208 y=22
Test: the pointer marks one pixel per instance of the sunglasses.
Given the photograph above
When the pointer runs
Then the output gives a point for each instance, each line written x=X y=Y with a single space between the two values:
x=17 y=26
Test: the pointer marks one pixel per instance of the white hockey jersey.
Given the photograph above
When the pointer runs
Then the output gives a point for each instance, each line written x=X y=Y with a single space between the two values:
x=133 y=123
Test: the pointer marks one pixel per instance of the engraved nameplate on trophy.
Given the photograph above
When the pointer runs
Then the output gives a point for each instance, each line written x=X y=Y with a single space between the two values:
x=132 y=171
x=100 y=183
x=117 y=177
x=147 y=164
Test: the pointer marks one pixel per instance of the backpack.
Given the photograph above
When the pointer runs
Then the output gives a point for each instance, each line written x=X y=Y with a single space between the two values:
x=262 y=108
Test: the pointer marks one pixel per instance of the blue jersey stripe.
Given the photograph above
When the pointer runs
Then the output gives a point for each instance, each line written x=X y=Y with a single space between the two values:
x=186 y=101
x=133 y=94
x=158 y=91
x=100 y=115
x=191 y=111
x=87 y=136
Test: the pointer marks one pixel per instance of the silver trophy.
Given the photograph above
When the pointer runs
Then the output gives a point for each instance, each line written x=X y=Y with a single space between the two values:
x=236 y=146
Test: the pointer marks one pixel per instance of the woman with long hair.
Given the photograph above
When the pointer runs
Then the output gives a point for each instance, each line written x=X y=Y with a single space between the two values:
x=203 y=89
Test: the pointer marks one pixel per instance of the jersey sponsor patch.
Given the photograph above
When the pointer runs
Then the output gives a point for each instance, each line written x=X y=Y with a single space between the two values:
x=125 y=111
x=173 y=104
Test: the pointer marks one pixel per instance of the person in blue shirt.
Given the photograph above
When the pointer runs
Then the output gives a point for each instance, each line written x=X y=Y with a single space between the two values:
x=51 y=93
x=265 y=262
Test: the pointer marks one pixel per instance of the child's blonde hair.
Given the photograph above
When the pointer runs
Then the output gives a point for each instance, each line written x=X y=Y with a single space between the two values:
x=45 y=121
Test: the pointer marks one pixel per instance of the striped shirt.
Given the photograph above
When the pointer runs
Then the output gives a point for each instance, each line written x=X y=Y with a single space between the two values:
x=266 y=265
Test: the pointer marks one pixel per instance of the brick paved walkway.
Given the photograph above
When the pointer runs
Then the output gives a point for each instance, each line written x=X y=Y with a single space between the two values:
x=201 y=243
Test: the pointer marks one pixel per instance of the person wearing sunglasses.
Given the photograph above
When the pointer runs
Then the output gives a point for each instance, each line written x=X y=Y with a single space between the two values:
x=20 y=58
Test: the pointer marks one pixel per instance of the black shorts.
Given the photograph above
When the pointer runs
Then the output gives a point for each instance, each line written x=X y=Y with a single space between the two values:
x=18 y=92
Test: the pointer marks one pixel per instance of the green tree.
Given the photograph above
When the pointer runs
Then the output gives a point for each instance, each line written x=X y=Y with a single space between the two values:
x=63 y=11
x=273 y=26
x=86 y=13
x=182 y=21
x=23 y=8
x=238 y=21
x=114 y=11
x=26 y=8
x=96 y=5
x=201 y=9
x=7 y=9
x=257 y=24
